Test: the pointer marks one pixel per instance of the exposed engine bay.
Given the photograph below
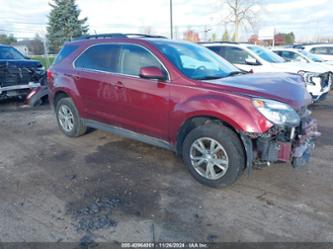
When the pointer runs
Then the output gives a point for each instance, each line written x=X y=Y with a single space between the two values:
x=288 y=144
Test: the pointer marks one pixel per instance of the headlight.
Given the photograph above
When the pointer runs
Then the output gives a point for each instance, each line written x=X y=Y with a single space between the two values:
x=278 y=113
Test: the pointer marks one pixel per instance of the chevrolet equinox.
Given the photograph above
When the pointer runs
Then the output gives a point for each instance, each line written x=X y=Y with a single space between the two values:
x=182 y=97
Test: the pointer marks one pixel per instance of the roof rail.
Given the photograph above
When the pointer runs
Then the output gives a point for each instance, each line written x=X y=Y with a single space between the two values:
x=129 y=35
x=100 y=36
x=117 y=35
x=228 y=42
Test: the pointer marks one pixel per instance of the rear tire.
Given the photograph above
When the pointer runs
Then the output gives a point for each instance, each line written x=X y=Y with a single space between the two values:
x=214 y=169
x=68 y=118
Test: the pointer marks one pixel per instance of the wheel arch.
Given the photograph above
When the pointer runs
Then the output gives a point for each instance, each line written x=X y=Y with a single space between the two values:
x=59 y=95
x=66 y=93
x=196 y=121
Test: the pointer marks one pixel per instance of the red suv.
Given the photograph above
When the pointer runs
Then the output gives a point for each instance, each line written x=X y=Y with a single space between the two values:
x=182 y=97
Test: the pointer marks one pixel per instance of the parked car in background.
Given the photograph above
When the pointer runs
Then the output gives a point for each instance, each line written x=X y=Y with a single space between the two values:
x=325 y=51
x=257 y=59
x=294 y=54
x=182 y=97
x=21 y=76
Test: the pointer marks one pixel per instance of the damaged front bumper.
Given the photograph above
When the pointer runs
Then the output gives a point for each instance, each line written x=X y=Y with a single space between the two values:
x=30 y=85
x=294 y=145
x=16 y=90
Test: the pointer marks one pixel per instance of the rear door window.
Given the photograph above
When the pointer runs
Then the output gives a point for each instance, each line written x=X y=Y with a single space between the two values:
x=102 y=57
x=235 y=55
x=289 y=55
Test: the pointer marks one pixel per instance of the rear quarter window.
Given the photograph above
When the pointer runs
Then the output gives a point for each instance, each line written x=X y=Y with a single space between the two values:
x=100 y=57
x=66 y=51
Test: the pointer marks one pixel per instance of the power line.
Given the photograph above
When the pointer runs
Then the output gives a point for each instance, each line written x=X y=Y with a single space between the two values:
x=20 y=31
x=22 y=21
x=4 y=20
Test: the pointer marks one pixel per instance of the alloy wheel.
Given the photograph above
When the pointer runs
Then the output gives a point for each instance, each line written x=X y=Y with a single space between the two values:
x=66 y=118
x=209 y=158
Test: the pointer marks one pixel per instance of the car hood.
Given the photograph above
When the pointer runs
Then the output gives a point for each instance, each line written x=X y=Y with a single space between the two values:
x=326 y=65
x=283 y=87
x=329 y=62
x=295 y=67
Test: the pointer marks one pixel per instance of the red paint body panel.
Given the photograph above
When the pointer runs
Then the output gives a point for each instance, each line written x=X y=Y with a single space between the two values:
x=159 y=109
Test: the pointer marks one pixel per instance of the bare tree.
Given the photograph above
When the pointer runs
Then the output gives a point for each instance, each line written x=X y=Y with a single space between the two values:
x=242 y=13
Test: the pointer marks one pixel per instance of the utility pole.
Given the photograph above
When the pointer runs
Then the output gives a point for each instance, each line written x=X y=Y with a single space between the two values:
x=46 y=56
x=206 y=30
x=171 y=20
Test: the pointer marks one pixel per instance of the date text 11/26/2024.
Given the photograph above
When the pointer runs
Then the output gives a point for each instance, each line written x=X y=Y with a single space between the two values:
x=165 y=245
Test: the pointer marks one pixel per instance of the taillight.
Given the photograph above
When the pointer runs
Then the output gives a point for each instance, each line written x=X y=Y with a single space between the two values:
x=49 y=75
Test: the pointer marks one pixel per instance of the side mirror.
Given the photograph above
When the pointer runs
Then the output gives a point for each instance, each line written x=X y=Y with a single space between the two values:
x=251 y=61
x=152 y=73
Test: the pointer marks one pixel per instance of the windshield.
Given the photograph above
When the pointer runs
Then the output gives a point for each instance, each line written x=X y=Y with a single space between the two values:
x=9 y=53
x=196 y=62
x=266 y=54
x=312 y=57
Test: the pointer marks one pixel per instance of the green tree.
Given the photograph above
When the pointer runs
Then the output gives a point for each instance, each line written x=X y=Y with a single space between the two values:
x=234 y=37
x=64 y=23
x=213 y=38
x=289 y=38
x=7 y=39
x=226 y=36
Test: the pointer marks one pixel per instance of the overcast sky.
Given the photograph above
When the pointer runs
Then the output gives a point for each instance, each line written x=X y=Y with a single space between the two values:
x=307 y=18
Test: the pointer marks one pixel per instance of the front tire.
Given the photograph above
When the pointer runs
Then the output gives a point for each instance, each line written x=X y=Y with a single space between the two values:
x=214 y=155
x=68 y=118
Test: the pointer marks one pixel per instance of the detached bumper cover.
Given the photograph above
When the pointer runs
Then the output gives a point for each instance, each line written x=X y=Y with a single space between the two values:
x=305 y=142
x=36 y=95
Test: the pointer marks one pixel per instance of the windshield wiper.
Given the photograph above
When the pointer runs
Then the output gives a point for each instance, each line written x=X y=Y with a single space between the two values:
x=209 y=78
x=233 y=73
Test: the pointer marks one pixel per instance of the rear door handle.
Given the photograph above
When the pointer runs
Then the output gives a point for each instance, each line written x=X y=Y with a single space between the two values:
x=119 y=85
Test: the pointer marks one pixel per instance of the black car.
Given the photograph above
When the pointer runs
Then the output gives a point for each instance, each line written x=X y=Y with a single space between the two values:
x=20 y=76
